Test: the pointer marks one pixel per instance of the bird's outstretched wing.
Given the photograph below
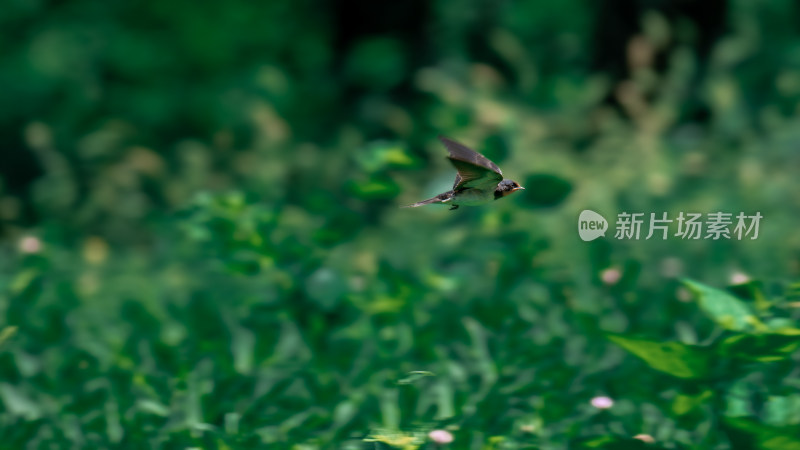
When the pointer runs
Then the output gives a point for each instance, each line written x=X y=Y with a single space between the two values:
x=474 y=170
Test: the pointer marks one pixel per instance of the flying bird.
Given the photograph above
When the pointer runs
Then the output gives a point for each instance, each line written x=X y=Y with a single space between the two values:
x=478 y=181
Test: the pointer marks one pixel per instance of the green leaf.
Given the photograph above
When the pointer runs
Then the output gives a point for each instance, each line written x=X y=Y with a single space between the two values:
x=783 y=326
x=725 y=309
x=23 y=280
x=752 y=291
x=767 y=437
x=397 y=438
x=684 y=404
x=760 y=347
x=381 y=155
x=782 y=410
x=674 y=358
x=375 y=188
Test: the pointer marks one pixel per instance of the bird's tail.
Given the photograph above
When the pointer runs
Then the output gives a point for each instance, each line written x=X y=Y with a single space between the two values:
x=438 y=199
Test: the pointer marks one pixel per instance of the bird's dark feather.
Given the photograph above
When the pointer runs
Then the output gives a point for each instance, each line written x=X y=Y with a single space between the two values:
x=474 y=170
x=466 y=154
x=472 y=176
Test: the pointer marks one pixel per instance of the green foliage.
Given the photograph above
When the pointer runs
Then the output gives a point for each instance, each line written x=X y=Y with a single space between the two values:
x=724 y=309
x=721 y=364
x=686 y=403
x=617 y=443
x=202 y=245
x=674 y=358
x=764 y=437
x=760 y=347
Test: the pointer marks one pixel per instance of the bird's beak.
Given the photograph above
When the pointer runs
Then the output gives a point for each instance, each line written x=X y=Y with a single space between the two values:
x=518 y=188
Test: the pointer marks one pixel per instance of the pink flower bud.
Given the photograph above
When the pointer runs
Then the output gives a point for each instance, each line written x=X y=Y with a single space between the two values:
x=602 y=402
x=441 y=436
x=739 y=278
x=611 y=276
x=30 y=244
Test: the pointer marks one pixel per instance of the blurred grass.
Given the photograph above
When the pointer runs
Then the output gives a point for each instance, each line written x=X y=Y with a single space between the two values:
x=211 y=253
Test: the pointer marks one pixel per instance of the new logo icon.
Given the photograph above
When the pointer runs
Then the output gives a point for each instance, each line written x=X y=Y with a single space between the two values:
x=591 y=225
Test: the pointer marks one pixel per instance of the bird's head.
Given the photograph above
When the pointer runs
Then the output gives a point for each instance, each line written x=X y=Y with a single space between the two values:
x=506 y=187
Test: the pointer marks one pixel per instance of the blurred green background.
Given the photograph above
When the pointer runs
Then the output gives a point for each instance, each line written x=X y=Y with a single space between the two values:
x=202 y=246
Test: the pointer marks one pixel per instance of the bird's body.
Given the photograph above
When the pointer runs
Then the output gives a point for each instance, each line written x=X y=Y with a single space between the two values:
x=478 y=181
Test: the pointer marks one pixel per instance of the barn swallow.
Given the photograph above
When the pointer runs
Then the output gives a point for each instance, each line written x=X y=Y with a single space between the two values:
x=478 y=180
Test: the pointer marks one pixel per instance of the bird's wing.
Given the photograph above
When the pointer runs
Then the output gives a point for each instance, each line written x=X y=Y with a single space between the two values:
x=474 y=169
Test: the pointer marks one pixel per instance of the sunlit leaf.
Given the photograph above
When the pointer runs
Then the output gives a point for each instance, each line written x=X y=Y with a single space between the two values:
x=397 y=439
x=381 y=155
x=683 y=403
x=376 y=188
x=674 y=358
x=725 y=309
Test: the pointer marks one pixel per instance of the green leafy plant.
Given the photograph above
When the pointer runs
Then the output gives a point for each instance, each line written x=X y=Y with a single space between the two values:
x=747 y=346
